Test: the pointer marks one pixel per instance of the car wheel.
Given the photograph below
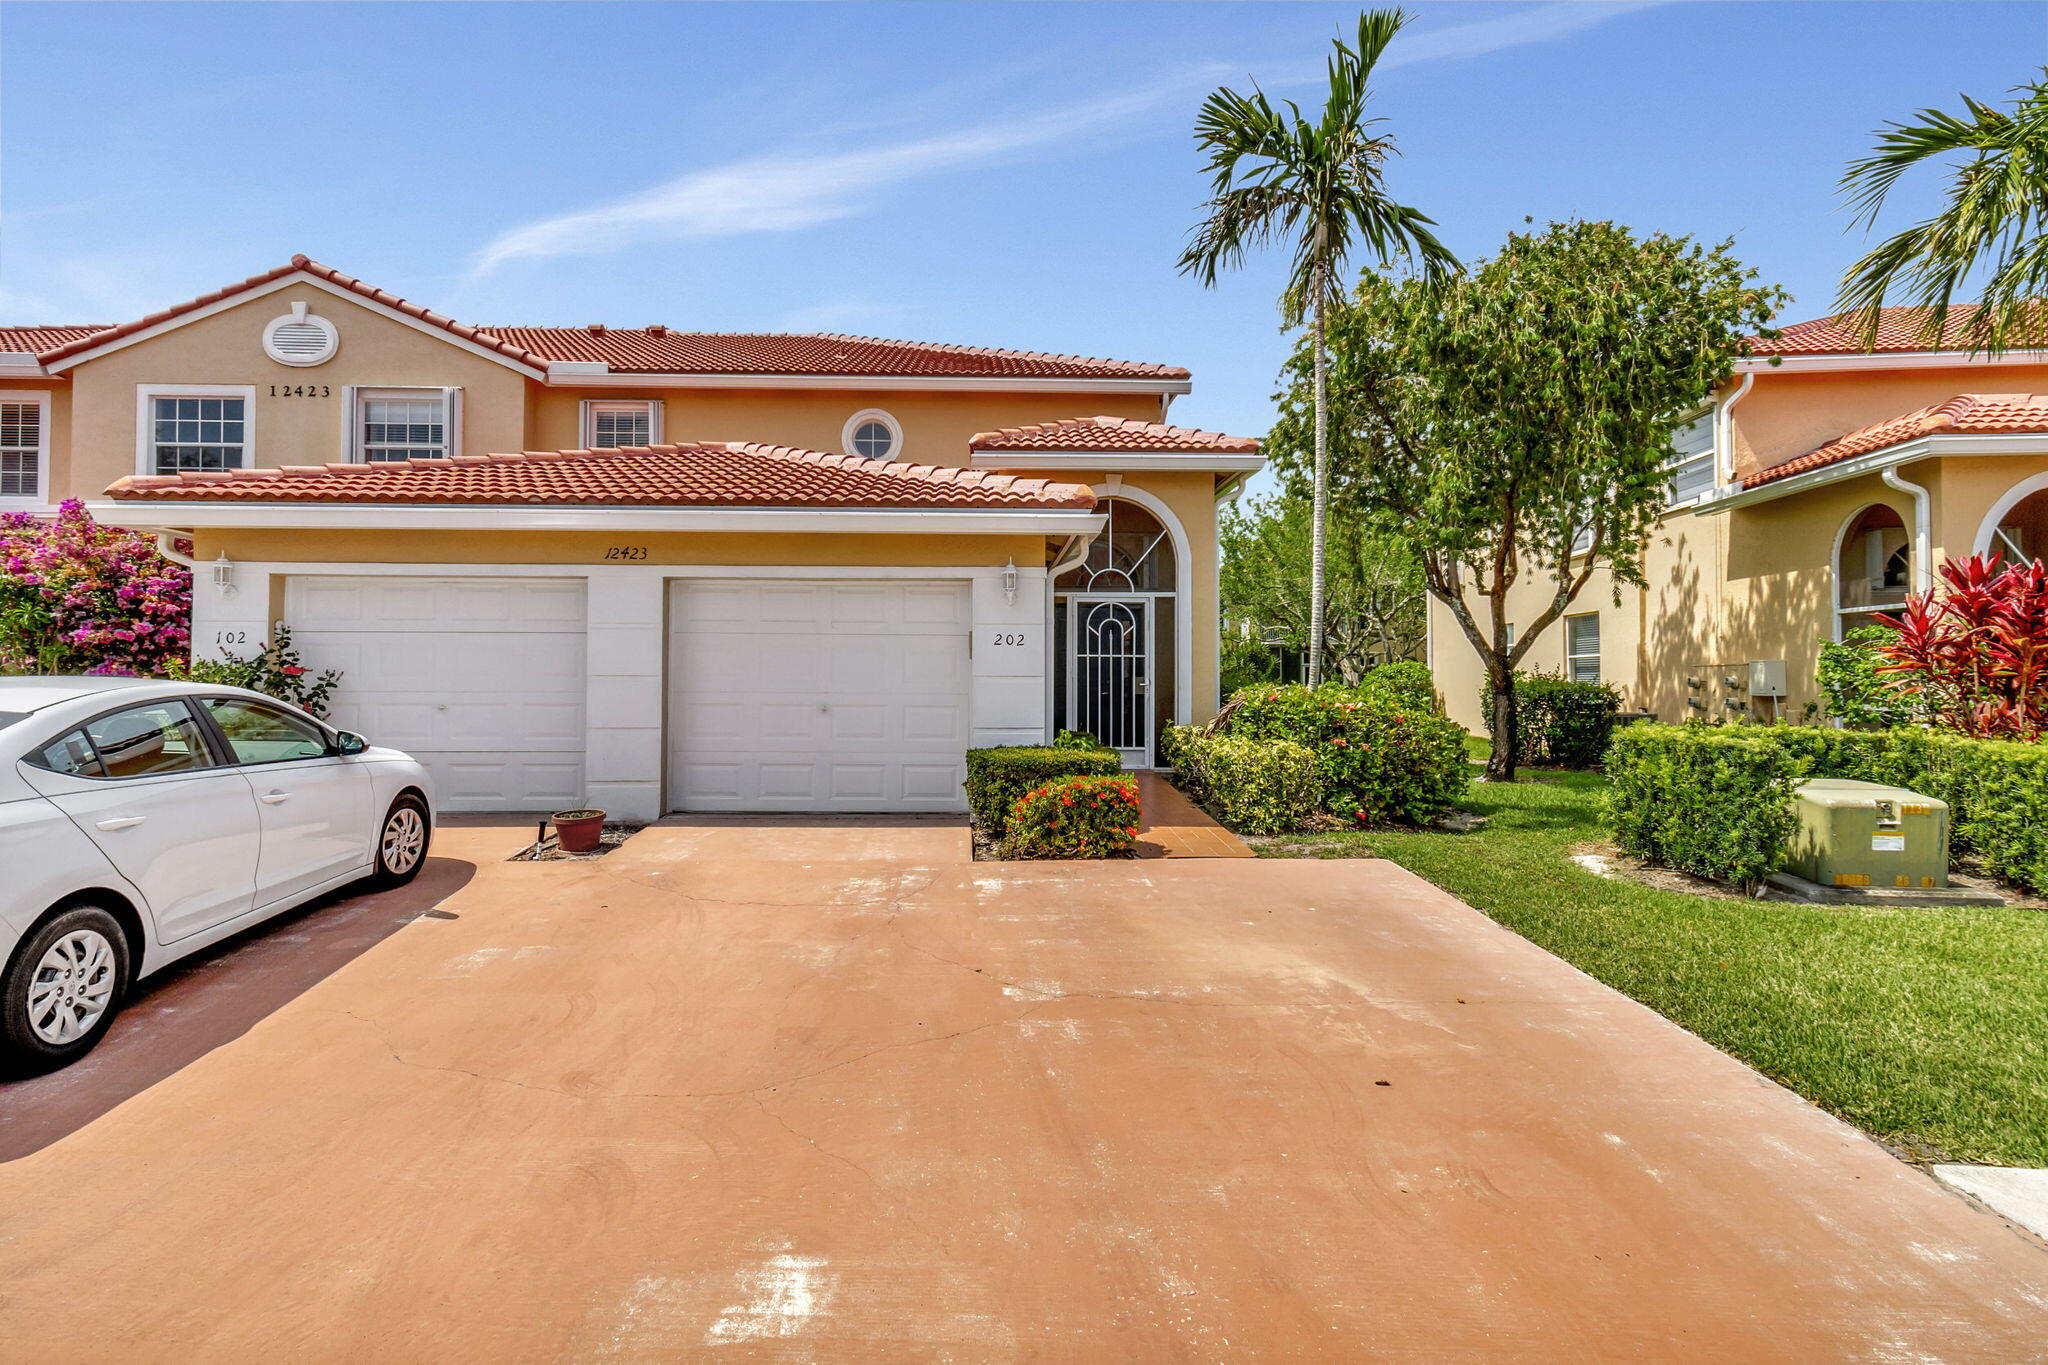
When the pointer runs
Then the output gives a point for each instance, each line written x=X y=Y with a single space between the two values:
x=63 y=990
x=402 y=842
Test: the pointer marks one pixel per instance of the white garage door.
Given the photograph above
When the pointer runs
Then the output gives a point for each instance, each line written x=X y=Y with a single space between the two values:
x=818 y=696
x=481 y=679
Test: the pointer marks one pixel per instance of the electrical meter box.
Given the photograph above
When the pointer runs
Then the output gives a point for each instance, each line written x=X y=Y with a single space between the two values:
x=1766 y=677
x=1864 y=834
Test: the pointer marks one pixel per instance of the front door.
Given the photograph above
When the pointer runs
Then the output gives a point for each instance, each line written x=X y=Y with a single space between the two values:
x=1109 y=673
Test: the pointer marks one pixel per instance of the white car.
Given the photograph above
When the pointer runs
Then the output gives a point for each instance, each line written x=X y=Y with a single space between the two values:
x=141 y=821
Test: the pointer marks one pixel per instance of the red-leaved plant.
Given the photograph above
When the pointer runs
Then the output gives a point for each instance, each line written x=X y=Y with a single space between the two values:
x=1976 y=650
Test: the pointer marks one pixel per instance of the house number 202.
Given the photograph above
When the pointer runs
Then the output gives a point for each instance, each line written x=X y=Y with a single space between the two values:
x=1007 y=637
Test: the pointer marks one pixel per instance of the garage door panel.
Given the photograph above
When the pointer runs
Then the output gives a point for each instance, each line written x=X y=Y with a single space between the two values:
x=818 y=696
x=480 y=679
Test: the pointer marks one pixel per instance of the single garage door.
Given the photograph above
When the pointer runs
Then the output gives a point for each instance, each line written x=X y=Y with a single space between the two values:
x=481 y=679
x=801 y=696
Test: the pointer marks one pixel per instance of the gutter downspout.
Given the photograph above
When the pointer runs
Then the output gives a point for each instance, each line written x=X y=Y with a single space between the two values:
x=1724 y=431
x=1923 y=526
x=166 y=545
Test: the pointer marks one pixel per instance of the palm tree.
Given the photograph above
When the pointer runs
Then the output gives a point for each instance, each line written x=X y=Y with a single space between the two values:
x=1995 y=217
x=1319 y=184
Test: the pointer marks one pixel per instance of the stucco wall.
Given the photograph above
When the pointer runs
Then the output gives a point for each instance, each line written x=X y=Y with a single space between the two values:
x=1788 y=413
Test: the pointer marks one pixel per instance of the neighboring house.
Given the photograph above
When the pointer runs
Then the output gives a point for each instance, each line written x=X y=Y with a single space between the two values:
x=651 y=570
x=1822 y=484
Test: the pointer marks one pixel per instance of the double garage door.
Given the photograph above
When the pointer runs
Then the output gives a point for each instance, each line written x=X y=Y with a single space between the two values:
x=781 y=695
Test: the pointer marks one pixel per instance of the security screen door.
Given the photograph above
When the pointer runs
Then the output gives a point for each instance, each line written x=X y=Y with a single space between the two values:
x=1109 y=679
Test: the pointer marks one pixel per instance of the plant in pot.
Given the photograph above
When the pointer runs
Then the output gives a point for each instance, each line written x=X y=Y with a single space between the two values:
x=578 y=831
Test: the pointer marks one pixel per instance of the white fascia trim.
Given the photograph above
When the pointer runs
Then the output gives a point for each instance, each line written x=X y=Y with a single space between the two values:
x=1927 y=447
x=1127 y=461
x=745 y=520
x=876 y=383
x=284 y=282
x=1886 y=360
x=20 y=365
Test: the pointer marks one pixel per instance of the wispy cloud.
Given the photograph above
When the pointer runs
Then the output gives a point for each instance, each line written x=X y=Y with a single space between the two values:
x=789 y=191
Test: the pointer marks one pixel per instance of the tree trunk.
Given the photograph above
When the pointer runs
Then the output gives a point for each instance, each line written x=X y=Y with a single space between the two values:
x=1502 y=759
x=1321 y=508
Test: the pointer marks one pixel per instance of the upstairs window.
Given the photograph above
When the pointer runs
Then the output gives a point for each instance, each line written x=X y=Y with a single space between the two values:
x=402 y=424
x=1692 y=461
x=22 y=441
x=873 y=434
x=198 y=432
x=615 y=424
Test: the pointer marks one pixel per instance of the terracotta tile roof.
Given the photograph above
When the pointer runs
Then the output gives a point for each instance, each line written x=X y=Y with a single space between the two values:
x=657 y=350
x=36 y=340
x=1898 y=329
x=702 y=474
x=1111 y=433
x=311 y=267
x=1966 y=413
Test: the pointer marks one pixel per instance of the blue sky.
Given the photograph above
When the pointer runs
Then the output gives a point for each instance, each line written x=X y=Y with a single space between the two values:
x=994 y=174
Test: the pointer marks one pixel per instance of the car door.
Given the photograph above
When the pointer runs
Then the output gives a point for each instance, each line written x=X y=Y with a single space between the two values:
x=144 y=784
x=314 y=805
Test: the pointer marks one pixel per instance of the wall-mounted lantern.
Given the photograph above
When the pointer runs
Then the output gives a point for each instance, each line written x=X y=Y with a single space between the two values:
x=224 y=574
x=1010 y=581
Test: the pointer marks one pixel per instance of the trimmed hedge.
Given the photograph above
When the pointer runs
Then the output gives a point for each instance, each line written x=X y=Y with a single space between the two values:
x=1560 y=723
x=1713 y=802
x=1376 y=760
x=1404 y=682
x=1074 y=817
x=996 y=778
x=1997 y=790
x=1255 y=786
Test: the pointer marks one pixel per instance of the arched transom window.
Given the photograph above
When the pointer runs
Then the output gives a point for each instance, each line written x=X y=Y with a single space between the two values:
x=1874 y=569
x=1134 y=553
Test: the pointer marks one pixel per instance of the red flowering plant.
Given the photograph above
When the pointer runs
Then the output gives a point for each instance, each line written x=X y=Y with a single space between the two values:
x=1074 y=817
x=78 y=597
x=1975 y=652
x=274 y=670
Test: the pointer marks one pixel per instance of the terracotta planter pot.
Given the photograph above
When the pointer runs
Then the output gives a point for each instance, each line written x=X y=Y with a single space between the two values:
x=578 y=831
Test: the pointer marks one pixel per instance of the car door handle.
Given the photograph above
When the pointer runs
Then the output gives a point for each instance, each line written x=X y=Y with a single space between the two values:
x=273 y=798
x=122 y=822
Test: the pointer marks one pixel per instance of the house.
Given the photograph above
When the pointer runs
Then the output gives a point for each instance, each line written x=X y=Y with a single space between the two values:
x=1822 y=483
x=645 y=569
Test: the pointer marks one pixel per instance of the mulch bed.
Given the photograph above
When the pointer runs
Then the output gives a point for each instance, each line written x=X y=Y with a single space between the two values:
x=548 y=851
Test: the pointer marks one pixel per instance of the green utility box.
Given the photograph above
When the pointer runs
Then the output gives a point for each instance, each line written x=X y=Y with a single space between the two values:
x=1864 y=834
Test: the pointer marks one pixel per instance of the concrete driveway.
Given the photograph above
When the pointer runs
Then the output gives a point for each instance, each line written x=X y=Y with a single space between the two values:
x=832 y=1093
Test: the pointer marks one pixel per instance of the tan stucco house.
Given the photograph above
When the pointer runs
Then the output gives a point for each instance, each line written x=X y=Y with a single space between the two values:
x=645 y=569
x=1822 y=483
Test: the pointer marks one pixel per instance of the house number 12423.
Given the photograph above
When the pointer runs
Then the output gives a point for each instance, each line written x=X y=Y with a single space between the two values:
x=625 y=552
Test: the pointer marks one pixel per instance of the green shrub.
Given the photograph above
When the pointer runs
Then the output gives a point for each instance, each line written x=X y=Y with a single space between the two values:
x=1074 y=817
x=996 y=778
x=1405 y=682
x=1713 y=802
x=1852 y=691
x=273 y=670
x=1255 y=786
x=1560 y=723
x=1075 y=739
x=1173 y=742
x=1377 y=760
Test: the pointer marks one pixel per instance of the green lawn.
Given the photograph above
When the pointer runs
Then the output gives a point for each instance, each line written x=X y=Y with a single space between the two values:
x=1926 y=1028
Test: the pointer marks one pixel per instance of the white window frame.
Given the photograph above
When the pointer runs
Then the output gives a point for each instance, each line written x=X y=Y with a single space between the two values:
x=145 y=417
x=590 y=407
x=40 y=400
x=1874 y=561
x=1678 y=460
x=860 y=419
x=356 y=395
x=1571 y=660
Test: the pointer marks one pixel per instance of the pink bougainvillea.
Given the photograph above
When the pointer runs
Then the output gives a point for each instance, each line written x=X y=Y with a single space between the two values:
x=78 y=597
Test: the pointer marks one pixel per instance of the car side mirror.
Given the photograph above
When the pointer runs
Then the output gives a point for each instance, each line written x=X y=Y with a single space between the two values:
x=348 y=742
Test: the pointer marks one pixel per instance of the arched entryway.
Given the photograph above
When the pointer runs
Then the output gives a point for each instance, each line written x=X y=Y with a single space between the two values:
x=2016 y=528
x=1117 y=632
x=1873 y=567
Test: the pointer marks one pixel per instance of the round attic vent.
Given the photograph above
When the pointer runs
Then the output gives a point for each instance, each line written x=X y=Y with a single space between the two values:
x=300 y=338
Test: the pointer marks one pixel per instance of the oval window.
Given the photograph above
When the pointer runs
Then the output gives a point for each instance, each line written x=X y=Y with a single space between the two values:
x=873 y=435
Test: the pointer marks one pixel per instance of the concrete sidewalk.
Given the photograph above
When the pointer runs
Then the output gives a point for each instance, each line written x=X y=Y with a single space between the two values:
x=834 y=1093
